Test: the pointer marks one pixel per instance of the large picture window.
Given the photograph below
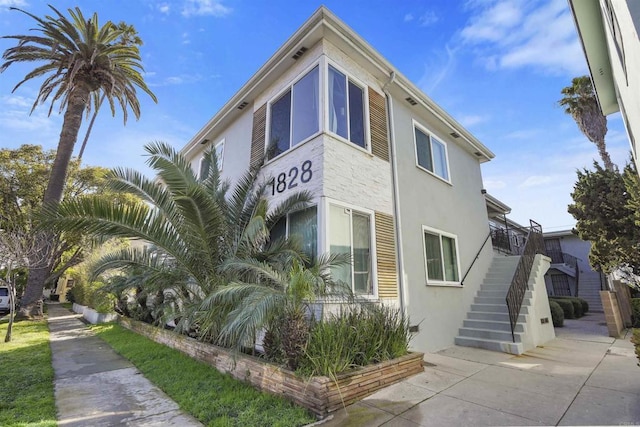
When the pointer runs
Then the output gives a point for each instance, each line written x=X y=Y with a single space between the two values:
x=301 y=225
x=431 y=154
x=346 y=108
x=294 y=115
x=441 y=257
x=350 y=234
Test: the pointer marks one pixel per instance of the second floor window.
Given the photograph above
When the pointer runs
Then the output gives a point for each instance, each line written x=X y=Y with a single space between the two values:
x=346 y=108
x=431 y=154
x=294 y=116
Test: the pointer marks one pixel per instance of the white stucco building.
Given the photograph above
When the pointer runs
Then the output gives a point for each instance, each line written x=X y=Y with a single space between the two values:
x=396 y=181
x=608 y=30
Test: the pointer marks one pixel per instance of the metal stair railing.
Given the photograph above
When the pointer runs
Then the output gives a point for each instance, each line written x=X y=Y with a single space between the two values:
x=520 y=282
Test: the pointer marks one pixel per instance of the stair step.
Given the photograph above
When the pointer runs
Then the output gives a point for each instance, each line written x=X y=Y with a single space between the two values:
x=499 y=294
x=504 y=326
x=489 y=334
x=493 y=345
x=493 y=316
x=497 y=300
x=494 y=286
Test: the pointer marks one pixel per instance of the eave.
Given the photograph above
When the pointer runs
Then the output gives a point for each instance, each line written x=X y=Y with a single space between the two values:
x=589 y=23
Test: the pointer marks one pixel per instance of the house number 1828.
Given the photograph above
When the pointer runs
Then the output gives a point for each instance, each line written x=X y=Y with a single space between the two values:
x=288 y=181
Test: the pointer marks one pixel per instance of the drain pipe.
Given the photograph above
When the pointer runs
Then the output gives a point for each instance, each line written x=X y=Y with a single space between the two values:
x=396 y=194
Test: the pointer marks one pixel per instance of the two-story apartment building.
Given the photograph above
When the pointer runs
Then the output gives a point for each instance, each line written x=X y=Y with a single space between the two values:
x=396 y=181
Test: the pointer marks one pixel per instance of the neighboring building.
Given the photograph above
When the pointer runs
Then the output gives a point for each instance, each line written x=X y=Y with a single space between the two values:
x=608 y=30
x=396 y=181
x=570 y=273
x=507 y=236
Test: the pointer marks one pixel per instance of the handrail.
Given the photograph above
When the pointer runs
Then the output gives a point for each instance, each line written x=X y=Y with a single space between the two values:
x=475 y=259
x=520 y=282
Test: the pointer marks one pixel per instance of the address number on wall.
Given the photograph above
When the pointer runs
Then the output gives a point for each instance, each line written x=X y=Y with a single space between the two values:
x=289 y=180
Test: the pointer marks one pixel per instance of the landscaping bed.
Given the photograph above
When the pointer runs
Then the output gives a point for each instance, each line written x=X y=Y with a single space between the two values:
x=321 y=395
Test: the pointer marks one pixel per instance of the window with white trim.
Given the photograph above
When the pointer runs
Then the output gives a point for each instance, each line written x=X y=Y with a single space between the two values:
x=346 y=106
x=441 y=257
x=294 y=116
x=303 y=225
x=431 y=154
x=350 y=233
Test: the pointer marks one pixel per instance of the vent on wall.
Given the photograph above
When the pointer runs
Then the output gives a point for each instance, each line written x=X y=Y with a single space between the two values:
x=477 y=153
x=455 y=134
x=204 y=141
x=299 y=53
x=242 y=105
x=411 y=101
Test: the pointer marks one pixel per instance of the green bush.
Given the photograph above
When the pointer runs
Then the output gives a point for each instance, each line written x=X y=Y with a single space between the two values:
x=579 y=311
x=567 y=307
x=635 y=339
x=70 y=296
x=557 y=315
x=635 y=307
x=358 y=336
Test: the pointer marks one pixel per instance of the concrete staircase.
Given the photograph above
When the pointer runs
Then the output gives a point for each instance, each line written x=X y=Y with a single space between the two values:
x=590 y=291
x=487 y=325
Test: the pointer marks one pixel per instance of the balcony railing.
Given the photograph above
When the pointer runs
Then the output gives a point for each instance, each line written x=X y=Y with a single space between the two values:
x=507 y=241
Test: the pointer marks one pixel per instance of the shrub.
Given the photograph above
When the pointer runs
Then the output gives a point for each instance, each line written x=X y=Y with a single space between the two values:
x=70 y=296
x=635 y=307
x=557 y=315
x=580 y=305
x=357 y=336
x=567 y=307
x=585 y=305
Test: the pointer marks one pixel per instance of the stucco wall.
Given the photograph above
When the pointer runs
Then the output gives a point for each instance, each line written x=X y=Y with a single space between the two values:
x=458 y=208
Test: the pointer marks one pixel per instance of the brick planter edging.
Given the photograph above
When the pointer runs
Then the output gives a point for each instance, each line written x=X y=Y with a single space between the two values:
x=321 y=395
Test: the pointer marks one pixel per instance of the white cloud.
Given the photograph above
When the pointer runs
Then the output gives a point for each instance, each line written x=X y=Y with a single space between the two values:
x=428 y=18
x=541 y=34
x=438 y=69
x=11 y=3
x=17 y=101
x=494 y=184
x=536 y=181
x=164 y=8
x=471 y=119
x=205 y=7
x=408 y=17
x=180 y=79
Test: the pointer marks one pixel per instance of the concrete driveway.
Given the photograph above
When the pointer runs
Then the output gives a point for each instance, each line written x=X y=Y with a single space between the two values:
x=583 y=377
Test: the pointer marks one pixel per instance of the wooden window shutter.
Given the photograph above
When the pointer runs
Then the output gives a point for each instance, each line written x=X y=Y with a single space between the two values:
x=258 y=136
x=378 y=123
x=386 y=256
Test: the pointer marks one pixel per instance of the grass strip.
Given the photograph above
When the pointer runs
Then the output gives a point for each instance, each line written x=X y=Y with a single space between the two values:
x=26 y=378
x=214 y=398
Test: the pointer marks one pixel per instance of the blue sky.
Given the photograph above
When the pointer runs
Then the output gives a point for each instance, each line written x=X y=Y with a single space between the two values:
x=496 y=66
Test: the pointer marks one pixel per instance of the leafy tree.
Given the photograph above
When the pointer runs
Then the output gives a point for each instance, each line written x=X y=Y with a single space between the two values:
x=23 y=177
x=605 y=208
x=79 y=59
x=580 y=102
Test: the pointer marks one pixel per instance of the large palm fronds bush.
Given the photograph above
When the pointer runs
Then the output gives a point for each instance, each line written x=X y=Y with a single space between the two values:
x=187 y=228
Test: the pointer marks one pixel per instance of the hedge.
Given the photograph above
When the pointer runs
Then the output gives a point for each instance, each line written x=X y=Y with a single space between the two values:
x=557 y=315
x=567 y=307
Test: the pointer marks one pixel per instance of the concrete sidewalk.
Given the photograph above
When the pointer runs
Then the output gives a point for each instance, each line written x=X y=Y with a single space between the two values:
x=583 y=377
x=94 y=386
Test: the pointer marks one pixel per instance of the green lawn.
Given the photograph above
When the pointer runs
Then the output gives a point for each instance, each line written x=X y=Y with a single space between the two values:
x=26 y=376
x=213 y=398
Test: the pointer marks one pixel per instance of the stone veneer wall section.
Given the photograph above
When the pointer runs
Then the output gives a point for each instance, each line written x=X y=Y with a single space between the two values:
x=321 y=395
x=612 y=313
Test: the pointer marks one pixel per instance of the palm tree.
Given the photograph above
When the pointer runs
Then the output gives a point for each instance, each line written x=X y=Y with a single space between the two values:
x=80 y=58
x=581 y=103
x=192 y=226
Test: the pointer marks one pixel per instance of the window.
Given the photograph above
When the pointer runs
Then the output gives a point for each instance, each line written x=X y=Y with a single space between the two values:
x=346 y=108
x=431 y=154
x=294 y=115
x=350 y=233
x=302 y=224
x=441 y=257
x=205 y=165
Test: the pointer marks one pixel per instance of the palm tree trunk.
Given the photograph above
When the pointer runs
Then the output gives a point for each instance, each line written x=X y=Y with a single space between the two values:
x=86 y=135
x=604 y=155
x=31 y=306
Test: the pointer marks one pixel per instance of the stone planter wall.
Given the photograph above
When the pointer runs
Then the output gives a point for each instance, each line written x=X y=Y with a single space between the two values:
x=321 y=395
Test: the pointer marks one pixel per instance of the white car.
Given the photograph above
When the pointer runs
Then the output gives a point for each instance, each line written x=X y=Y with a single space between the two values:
x=4 y=300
